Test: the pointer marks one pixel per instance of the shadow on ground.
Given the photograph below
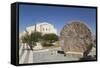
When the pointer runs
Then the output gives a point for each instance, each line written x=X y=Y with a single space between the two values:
x=88 y=58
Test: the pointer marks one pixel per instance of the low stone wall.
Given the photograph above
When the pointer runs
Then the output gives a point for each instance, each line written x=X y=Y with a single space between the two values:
x=74 y=54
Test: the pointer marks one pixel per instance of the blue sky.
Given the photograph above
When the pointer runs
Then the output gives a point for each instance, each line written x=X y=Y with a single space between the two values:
x=58 y=16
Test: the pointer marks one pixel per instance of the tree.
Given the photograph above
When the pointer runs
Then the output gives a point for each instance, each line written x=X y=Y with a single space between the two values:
x=31 y=39
x=36 y=36
x=24 y=40
x=50 y=38
x=27 y=39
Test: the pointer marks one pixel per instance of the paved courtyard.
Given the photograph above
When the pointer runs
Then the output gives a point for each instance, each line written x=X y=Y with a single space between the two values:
x=44 y=55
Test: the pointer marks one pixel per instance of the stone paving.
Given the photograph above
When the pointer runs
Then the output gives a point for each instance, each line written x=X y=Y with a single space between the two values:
x=44 y=55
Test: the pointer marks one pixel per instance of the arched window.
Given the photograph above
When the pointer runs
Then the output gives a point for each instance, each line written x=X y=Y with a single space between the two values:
x=46 y=29
x=43 y=29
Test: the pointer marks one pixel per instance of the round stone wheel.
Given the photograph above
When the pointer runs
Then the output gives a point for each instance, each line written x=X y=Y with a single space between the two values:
x=76 y=38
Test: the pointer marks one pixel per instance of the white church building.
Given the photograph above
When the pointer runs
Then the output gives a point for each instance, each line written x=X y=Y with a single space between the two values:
x=44 y=28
